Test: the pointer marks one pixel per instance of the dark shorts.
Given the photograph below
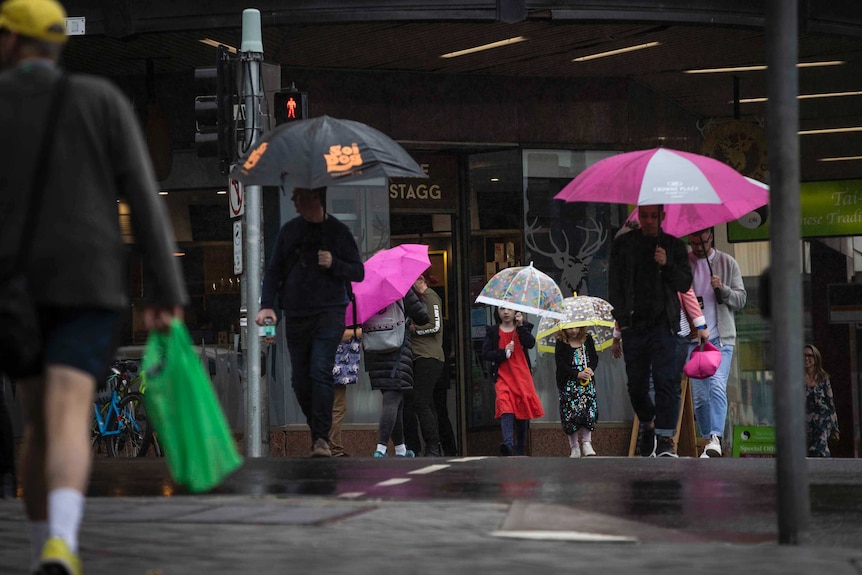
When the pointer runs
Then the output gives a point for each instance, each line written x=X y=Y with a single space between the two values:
x=85 y=339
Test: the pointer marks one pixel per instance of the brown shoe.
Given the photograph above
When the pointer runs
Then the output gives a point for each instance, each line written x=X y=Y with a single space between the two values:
x=320 y=448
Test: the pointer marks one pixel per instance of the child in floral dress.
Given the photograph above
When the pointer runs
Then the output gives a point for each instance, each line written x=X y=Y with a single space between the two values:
x=576 y=360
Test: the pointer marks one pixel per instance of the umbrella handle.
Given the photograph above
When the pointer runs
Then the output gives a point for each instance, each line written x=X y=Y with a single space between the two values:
x=718 y=297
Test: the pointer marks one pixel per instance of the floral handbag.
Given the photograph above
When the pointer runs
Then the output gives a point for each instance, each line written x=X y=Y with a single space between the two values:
x=346 y=368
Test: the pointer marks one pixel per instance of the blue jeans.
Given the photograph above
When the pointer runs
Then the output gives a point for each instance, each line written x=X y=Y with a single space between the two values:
x=710 y=394
x=646 y=351
x=312 y=342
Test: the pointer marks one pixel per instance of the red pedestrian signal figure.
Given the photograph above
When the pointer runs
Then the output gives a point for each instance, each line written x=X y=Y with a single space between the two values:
x=290 y=106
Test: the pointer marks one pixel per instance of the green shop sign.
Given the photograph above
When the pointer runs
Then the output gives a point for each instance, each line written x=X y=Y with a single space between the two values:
x=753 y=441
x=831 y=208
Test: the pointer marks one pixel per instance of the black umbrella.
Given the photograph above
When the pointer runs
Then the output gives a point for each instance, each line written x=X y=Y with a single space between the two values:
x=319 y=152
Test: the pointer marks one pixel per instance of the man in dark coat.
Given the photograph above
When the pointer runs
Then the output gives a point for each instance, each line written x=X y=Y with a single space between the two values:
x=314 y=258
x=77 y=259
x=647 y=270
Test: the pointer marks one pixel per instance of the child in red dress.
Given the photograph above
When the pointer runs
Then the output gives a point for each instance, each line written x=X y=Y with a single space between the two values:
x=505 y=349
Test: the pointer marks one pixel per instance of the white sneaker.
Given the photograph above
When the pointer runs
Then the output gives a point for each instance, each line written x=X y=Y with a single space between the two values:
x=713 y=448
x=587 y=449
x=704 y=455
x=576 y=452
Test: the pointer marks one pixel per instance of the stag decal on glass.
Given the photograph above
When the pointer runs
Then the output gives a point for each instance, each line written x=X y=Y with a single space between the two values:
x=574 y=269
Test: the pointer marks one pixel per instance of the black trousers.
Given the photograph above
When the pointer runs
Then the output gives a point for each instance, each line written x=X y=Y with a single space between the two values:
x=7 y=434
x=448 y=441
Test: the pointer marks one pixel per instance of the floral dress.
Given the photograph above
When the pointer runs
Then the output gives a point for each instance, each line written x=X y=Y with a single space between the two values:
x=821 y=417
x=578 y=406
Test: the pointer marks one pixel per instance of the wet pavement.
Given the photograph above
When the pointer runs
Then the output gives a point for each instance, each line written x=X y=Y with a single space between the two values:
x=478 y=515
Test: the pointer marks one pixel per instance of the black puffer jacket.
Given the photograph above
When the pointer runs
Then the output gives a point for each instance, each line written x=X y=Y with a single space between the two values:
x=394 y=370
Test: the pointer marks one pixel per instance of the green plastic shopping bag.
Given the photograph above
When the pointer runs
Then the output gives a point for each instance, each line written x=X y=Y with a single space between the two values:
x=185 y=412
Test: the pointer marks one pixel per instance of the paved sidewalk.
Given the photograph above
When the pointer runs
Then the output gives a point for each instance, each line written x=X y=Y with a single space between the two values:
x=232 y=534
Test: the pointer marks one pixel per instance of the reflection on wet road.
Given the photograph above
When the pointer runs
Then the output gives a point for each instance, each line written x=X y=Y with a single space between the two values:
x=728 y=499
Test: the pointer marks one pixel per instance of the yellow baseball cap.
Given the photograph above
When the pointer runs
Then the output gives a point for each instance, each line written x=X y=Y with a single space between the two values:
x=39 y=19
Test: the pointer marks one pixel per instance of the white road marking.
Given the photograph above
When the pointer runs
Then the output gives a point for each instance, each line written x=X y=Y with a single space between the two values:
x=580 y=536
x=351 y=494
x=428 y=469
x=393 y=481
x=467 y=459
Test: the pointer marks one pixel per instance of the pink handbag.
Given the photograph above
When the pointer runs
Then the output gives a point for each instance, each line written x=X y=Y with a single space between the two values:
x=704 y=361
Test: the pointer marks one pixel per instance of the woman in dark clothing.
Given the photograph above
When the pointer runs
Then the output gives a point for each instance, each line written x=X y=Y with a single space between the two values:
x=392 y=373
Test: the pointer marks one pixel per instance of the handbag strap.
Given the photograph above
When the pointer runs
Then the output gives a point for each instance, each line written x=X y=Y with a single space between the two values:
x=40 y=173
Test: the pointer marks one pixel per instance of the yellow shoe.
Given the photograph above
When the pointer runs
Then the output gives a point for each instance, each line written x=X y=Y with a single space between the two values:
x=57 y=559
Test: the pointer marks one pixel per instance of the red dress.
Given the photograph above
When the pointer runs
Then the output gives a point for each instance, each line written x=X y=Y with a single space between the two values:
x=514 y=386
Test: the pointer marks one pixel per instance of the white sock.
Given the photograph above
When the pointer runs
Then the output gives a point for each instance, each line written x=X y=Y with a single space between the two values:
x=400 y=449
x=586 y=435
x=573 y=440
x=65 y=510
x=38 y=536
x=381 y=448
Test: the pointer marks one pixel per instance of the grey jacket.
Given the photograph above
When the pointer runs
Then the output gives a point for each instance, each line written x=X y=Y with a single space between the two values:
x=732 y=290
x=78 y=257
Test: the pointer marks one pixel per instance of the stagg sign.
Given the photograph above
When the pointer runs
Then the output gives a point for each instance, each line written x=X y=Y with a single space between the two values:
x=436 y=193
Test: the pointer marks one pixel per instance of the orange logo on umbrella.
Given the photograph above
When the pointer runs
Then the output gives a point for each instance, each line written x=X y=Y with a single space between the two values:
x=254 y=157
x=343 y=158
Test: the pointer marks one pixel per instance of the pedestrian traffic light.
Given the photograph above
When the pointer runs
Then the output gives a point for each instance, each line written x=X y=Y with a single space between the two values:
x=290 y=105
x=215 y=133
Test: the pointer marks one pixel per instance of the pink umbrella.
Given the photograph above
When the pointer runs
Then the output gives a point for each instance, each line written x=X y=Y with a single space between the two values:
x=684 y=219
x=672 y=178
x=389 y=274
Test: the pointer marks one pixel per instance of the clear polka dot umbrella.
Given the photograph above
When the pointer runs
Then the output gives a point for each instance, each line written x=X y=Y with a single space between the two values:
x=583 y=310
x=525 y=289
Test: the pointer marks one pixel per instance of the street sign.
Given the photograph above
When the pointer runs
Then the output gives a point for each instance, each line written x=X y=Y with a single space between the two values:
x=237 y=247
x=236 y=197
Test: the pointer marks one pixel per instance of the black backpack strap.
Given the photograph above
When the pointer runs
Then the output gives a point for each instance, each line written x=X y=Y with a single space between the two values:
x=352 y=297
x=40 y=174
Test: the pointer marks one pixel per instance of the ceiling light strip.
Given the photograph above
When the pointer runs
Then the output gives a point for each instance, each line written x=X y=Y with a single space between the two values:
x=762 y=67
x=830 y=130
x=483 y=47
x=615 y=52
x=802 y=97
x=216 y=44
x=839 y=159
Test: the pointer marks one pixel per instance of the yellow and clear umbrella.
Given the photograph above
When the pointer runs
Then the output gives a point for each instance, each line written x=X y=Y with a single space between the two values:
x=592 y=312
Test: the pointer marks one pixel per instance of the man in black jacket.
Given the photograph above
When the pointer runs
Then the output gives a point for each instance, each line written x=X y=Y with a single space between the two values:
x=647 y=269
x=314 y=257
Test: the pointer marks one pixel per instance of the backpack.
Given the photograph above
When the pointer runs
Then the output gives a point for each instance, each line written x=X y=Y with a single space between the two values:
x=385 y=330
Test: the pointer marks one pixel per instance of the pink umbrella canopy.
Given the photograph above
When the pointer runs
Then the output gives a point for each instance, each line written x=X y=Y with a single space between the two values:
x=669 y=177
x=684 y=219
x=389 y=274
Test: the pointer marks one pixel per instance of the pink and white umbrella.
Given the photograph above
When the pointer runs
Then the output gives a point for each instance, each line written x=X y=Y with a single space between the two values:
x=672 y=178
x=684 y=219
x=389 y=274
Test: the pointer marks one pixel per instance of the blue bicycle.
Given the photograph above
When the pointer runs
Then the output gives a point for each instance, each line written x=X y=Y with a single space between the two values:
x=121 y=427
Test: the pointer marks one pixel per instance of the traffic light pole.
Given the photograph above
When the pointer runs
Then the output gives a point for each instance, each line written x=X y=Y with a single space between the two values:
x=256 y=402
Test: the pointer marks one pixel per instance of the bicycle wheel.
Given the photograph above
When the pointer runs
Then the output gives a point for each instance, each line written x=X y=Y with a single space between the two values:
x=136 y=433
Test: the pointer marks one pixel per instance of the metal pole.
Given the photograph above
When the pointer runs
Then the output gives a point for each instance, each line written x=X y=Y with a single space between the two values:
x=782 y=46
x=251 y=56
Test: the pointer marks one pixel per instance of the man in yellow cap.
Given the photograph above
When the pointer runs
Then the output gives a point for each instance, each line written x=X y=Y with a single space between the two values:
x=76 y=264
